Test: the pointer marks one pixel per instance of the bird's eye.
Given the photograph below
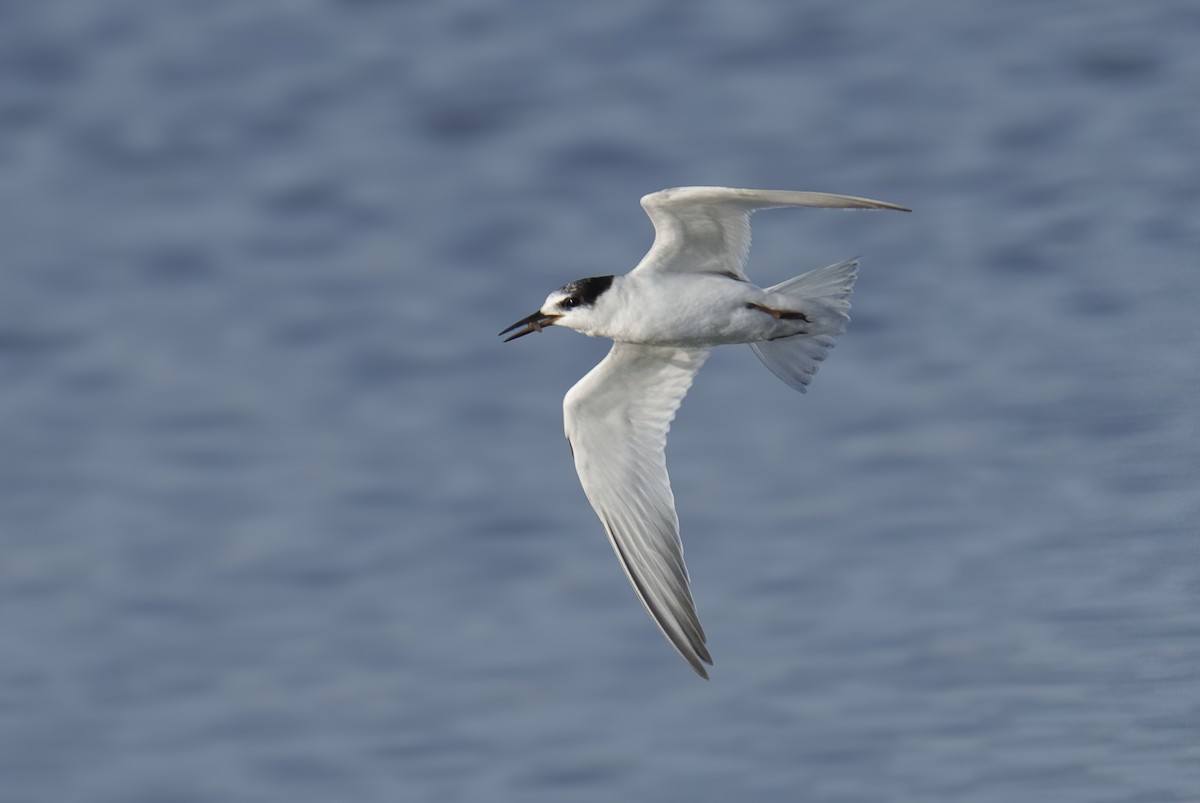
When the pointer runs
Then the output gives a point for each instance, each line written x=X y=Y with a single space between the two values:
x=569 y=302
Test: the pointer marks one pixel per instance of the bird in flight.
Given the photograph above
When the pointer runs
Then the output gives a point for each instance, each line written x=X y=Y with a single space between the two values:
x=688 y=293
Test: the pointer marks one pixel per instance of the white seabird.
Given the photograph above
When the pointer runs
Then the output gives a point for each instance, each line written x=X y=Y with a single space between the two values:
x=688 y=293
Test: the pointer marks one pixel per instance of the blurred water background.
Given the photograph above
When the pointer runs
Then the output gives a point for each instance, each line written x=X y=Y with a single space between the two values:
x=282 y=520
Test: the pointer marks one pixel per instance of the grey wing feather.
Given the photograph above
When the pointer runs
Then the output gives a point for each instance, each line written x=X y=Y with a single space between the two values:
x=707 y=229
x=616 y=420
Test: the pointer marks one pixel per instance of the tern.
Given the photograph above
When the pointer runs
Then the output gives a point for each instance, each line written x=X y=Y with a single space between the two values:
x=688 y=293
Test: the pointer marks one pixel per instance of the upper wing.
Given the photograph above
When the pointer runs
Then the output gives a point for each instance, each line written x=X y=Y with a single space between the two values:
x=616 y=420
x=707 y=229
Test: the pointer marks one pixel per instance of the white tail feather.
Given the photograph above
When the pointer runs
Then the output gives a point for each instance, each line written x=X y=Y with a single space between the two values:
x=824 y=297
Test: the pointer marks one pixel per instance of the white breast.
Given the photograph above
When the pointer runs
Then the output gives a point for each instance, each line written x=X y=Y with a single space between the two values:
x=683 y=310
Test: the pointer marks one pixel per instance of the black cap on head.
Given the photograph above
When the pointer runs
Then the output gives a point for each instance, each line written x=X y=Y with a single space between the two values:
x=586 y=291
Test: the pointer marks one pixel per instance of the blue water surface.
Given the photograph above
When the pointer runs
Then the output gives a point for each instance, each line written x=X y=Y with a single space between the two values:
x=281 y=519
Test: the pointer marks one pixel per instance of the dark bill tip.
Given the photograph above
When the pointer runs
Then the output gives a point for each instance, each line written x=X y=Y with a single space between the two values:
x=532 y=323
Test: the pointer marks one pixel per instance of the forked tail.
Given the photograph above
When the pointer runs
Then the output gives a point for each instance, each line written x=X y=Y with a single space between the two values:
x=823 y=296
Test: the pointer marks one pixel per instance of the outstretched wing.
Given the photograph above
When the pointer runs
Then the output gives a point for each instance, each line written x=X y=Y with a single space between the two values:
x=616 y=420
x=707 y=229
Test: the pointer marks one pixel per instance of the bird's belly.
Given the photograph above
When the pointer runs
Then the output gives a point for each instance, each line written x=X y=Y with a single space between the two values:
x=698 y=314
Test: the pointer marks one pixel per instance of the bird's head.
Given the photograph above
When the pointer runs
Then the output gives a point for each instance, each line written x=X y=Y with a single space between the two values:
x=572 y=305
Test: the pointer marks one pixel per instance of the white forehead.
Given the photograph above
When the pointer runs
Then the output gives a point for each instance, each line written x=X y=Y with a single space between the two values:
x=553 y=299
